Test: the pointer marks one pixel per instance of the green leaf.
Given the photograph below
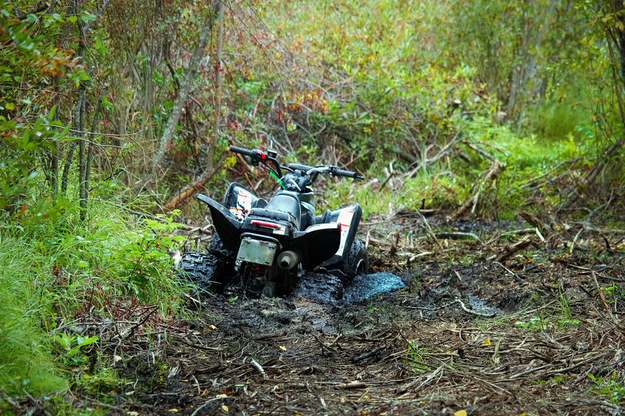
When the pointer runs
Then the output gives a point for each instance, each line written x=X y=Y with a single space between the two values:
x=9 y=106
x=72 y=19
x=52 y=112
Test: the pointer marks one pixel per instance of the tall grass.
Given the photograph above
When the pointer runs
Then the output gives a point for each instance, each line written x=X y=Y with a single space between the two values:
x=58 y=270
x=25 y=361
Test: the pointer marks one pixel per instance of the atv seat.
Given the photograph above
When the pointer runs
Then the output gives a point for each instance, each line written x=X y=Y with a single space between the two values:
x=273 y=215
x=286 y=201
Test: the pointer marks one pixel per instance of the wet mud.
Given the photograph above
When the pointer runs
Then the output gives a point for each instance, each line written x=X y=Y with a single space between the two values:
x=450 y=333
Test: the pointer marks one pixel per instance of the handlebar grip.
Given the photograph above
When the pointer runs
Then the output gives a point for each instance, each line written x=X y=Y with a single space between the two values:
x=244 y=151
x=347 y=174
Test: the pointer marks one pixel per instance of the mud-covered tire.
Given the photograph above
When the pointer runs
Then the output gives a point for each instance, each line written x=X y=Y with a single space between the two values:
x=357 y=260
x=217 y=247
x=201 y=269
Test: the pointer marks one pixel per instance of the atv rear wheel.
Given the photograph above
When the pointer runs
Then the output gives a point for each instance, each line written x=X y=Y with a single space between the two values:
x=357 y=260
x=201 y=269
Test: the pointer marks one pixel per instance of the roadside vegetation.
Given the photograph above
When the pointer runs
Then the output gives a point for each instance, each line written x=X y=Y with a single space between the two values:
x=113 y=115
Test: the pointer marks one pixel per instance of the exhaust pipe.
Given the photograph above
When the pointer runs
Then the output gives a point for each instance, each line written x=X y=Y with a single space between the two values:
x=288 y=259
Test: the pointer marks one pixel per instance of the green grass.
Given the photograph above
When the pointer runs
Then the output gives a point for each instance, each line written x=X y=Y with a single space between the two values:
x=62 y=269
x=25 y=360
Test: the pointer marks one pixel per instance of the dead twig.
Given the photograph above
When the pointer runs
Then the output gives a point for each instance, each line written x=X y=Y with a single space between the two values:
x=459 y=235
x=487 y=176
x=467 y=310
x=429 y=229
x=538 y=178
x=391 y=173
x=600 y=292
x=393 y=251
x=511 y=249
x=259 y=368
x=352 y=385
x=423 y=380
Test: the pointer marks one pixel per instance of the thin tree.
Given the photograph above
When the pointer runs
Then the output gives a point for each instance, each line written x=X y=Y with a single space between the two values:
x=183 y=93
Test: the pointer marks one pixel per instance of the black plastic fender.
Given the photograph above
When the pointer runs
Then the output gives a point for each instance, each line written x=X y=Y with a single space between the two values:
x=318 y=243
x=349 y=220
x=227 y=225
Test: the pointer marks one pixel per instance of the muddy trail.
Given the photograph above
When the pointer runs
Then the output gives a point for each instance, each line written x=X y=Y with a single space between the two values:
x=481 y=319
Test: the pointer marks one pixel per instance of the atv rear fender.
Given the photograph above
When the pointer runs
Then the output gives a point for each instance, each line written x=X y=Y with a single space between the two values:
x=317 y=244
x=228 y=227
x=349 y=219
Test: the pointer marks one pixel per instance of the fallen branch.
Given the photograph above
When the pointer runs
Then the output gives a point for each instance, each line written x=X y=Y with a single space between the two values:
x=191 y=190
x=536 y=222
x=489 y=175
x=477 y=150
x=511 y=249
x=458 y=235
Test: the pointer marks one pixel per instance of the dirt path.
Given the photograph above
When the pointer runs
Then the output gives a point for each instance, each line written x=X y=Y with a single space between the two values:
x=492 y=319
x=529 y=335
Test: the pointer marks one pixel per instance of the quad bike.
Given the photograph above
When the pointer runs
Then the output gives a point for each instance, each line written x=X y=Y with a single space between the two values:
x=262 y=248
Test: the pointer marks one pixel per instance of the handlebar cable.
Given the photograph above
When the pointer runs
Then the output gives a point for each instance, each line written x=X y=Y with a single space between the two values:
x=271 y=173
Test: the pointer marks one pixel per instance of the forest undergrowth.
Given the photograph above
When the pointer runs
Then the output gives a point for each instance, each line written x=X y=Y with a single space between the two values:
x=491 y=141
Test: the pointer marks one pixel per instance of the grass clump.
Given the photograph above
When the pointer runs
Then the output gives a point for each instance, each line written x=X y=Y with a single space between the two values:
x=25 y=361
x=61 y=270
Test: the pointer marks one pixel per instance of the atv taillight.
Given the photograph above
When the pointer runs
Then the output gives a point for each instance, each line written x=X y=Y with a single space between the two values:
x=265 y=224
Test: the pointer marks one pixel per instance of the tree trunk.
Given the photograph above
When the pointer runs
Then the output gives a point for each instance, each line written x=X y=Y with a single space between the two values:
x=72 y=146
x=80 y=101
x=526 y=69
x=218 y=84
x=183 y=94
x=51 y=157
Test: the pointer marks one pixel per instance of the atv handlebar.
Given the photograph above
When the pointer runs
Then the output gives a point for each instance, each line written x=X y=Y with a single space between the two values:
x=257 y=156
x=253 y=153
x=346 y=173
x=331 y=169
